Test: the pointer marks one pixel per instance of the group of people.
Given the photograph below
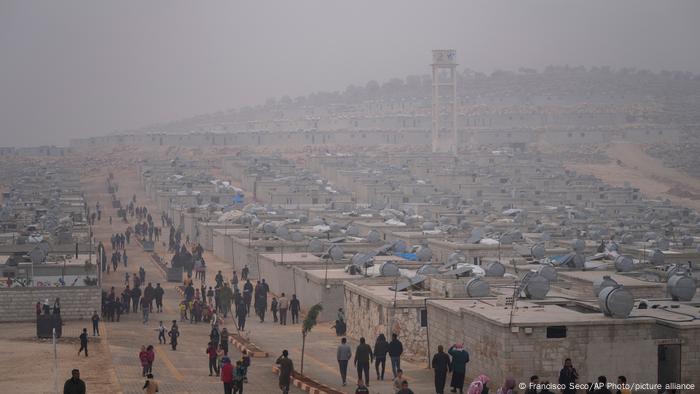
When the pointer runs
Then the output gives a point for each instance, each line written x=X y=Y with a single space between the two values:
x=132 y=299
x=365 y=355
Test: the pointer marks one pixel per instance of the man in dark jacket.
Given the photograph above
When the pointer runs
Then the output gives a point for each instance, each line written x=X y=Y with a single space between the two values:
x=74 y=385
x=567 y=376
x=135 y=297
x=286 y=368
x=294 y=307
x=395 y=351
x=83 y=342
x=363 y=356
x=381 y=347
x=158 y=293
x=441 y=364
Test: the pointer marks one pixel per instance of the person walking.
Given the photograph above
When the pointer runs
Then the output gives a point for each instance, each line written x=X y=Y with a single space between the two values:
x=478 y=386
x=174 y=334
x=442 y=365
x=286 y=367
x=143 y=359
x=158 y=295
x=241 y=315
x=161 y=333
x=74 y=385
x=273 y=309
x=239 y=377
x=145 y=308
x=568 y=377
x=150 y=386
x=343 y=354
x=224 y=339
x=83 y=342
x=283 y=304
x=460 y=358
x=227 y=375
x=395 y=351
x=211 y=352
x=363 y=357
x=381 y=348
x=150 y=352
x=95 y=324
x=294 y=307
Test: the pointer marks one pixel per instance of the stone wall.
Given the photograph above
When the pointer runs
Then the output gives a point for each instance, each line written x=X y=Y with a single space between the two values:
x=369 y=316
x=19 y=304
x=616 y=347
x=690 y=356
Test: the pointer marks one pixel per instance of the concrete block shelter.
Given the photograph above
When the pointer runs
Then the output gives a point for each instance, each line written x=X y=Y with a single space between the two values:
x=652 y=345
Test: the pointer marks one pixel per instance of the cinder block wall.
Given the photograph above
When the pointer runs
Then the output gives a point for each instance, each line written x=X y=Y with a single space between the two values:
x=19 y=304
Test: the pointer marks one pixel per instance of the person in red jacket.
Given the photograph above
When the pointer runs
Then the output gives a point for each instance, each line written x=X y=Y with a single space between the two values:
x=227 y=374
x=211 y=351
x=151 y=356
x=143 y=357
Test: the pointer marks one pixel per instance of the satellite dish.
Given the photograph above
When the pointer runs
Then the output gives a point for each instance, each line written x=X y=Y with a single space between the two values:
x=657 y=257
x=537 y=251
x=424 y=253
x=578 y=245
x=389 y=268
x=269 y=228
x=478 y=287
x=282 y=232
x=624 y=263
x=681 y=287
x=506 y=239
x=616 y=302
x=315 y=245
x=363 y=260
x=399 y=246
x=663 y=244
x=495 y=269
x=427 y=269
x=37 y=255
x=336 y=252
x=427 y=226
x=373 y=236
x=612 y=247
x=456 y=257
x=352 y=231
x=296 y=236
x=549 y=272
x=537 y=287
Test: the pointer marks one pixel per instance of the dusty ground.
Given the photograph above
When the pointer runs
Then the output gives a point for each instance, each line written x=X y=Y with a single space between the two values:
x=645 y=172
x=27 y=363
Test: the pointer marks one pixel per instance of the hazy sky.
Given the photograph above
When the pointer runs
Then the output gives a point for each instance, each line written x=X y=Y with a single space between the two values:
x=81 y=68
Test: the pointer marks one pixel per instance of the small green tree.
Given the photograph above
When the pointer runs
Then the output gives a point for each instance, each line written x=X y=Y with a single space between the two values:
x=308 y=323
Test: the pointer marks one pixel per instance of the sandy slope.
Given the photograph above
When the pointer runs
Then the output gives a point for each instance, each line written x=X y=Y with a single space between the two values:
x=645 y=172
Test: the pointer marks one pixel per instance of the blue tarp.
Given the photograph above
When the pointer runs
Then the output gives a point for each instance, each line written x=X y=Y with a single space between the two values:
x=407 y=256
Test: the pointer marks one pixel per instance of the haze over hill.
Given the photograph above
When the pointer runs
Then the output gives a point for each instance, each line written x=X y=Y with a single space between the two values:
x=77 y=69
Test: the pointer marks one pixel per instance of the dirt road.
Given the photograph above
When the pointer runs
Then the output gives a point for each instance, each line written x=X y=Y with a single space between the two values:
x=646 y=173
